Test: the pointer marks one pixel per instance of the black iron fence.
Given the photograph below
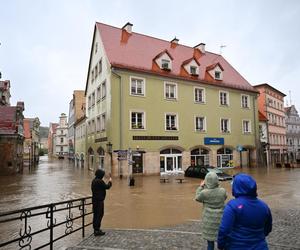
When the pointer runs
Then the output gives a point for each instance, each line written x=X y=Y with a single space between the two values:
x=41 y=226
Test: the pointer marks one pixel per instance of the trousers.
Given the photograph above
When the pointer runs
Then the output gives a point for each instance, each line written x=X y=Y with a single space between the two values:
x=98 y=212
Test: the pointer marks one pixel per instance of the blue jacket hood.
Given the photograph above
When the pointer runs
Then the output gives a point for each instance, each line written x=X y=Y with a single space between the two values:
x=244 y=185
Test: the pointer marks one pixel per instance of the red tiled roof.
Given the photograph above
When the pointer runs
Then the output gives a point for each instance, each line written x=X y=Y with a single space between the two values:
x=210 y=67
x=266 y=85
x=262 y=117
x=8 y=119
x=138 y=51
x=189 y=60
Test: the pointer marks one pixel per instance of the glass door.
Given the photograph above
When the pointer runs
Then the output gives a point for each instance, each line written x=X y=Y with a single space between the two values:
x=169 y=163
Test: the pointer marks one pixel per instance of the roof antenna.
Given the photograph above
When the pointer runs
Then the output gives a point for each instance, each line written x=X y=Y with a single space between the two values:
x=222 y=46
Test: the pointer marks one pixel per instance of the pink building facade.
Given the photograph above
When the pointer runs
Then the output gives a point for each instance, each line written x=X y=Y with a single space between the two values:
x=271 y=105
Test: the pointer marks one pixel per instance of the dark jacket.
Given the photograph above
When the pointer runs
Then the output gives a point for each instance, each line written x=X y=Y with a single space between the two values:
x=99 y=187
x=247 y=220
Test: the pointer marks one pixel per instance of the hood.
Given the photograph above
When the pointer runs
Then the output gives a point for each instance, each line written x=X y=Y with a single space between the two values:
x=244 y=185
x=99 y=173
x=211 y=180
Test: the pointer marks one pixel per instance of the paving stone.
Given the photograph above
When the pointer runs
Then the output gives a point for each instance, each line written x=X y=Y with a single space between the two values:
x=284 y=236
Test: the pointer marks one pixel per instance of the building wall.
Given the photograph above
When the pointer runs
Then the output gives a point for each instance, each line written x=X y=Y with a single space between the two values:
x=155 y=106
x=118 y=104
x=61 y=136
x=272 y=105
x=11 y=154
x=293 y=133
x=80 y=143
x=100 y=107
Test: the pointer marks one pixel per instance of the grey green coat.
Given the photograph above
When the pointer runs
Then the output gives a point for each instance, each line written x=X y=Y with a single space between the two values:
x=213 y=198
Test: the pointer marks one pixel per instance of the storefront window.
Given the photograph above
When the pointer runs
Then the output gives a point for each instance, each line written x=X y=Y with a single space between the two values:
x=199 y=157
x=170 y=160
x=224 y=157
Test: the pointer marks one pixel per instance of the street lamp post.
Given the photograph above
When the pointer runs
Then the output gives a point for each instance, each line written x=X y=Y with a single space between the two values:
x=29 y=157
x=109 y=150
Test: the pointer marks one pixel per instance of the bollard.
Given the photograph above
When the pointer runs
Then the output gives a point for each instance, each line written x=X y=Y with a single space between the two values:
x=131 y=181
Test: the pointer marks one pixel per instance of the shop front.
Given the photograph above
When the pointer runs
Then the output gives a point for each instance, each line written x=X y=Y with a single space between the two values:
x=170 y=160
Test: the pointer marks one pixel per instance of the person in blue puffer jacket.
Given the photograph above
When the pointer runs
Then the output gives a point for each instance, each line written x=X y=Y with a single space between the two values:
x=247 y=220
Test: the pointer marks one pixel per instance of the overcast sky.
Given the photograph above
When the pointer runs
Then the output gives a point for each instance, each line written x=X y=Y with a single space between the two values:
x=45 y=45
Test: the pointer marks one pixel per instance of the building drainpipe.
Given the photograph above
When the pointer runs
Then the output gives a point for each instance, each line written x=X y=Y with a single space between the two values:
x=255 y=126
x=121 y=119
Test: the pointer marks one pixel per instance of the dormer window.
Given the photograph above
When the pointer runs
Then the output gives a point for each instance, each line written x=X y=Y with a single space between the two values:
x=193 y=70
x=218 y=75
x=216 y=71
x=165 y=64
x=191 y=66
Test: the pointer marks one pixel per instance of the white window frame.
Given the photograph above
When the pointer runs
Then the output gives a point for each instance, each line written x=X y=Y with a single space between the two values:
x=92 y=75
x=93 y=98
x=96 y=70
x=143 y=86
x=98 y=91
x=249 y=126
x=175 y=90
x=220 y=75
x=193 y=67
x=89 y=101
x=103 y=90
x=93 y=125
x=227 y=98
x=228 y=125
x=98 y=123
x=203 y=95
x=165 y=61
x=248 y=101
x=176 y=121
x=102 y=122
x=204 y=123
x=100 y=66
x=143 y=119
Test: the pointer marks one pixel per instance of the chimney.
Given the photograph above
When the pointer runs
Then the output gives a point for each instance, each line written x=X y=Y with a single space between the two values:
x=175 y=40
x=21 y=105
x=201 y=47
x=128 y=27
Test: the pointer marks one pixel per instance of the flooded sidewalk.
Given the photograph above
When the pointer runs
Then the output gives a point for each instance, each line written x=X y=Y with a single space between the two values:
x=285 y=236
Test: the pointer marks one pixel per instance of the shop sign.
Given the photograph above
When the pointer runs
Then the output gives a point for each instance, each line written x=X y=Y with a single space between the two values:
x=213 y=141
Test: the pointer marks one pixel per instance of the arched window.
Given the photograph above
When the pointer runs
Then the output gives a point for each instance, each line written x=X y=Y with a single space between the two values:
x=101 y=154
x=199 y=157
x=224 y=156
x=170 y=160
x=90 y=159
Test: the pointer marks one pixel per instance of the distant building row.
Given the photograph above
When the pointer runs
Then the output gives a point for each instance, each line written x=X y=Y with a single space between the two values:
x=19 y=137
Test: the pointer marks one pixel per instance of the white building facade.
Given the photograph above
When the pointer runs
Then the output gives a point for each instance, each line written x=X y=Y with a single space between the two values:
x=292 y=121
x=61 y=137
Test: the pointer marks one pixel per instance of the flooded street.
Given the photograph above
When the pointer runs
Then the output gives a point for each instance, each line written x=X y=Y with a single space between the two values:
x=148 y=204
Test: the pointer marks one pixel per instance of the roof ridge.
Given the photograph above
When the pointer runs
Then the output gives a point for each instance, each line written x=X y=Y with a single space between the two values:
x=164 y=40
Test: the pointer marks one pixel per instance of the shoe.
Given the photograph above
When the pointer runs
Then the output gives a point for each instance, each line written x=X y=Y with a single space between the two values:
x=99 y=233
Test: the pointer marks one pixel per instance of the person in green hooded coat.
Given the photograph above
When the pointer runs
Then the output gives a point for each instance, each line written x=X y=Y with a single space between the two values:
x=213 y=198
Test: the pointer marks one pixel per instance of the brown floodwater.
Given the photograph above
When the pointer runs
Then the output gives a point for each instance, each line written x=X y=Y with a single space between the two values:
x=148 y=204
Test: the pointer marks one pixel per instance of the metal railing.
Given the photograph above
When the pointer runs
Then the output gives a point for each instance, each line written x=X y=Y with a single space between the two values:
x=55 y=220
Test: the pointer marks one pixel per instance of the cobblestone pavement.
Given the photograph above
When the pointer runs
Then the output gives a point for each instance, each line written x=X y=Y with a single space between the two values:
x=285 y=235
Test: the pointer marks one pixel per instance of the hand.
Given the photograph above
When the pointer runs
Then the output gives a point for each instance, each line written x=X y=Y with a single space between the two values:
x=110 y=179
x=202 y=183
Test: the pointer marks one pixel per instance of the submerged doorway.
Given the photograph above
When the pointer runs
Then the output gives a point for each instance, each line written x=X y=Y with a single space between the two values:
x=170 y=160
x=137 y=165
